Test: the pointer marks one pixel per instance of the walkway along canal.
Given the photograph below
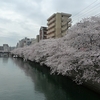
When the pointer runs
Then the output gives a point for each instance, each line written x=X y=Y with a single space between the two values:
x=21 y=80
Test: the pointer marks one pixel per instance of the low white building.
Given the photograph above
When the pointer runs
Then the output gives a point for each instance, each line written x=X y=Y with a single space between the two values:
x=6 y=48
x=24 y=42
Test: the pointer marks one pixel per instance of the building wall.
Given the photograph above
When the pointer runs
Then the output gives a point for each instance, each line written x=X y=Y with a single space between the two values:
x=43 y=33
x=6 y=48
x=24 y=42
x=38 y=38
x=33 y=41
x=51 y=26
x=1 y=48
x=27 y=41
x=66 y=23
x=58 y=24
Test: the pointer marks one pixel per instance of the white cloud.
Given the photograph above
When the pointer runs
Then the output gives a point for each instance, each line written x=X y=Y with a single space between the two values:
x=10 y=15
x=25 y=17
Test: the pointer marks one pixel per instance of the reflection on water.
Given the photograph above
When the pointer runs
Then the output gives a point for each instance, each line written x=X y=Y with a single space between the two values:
x=52 y=86
x=5 y=59
x=21 y=80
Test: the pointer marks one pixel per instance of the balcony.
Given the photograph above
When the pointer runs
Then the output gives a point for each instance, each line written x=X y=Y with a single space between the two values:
x=69 y=25
x=51 y=21
x=64 y=33
x=64 y=23
x=51 y=30
x=64 y=28
x=51 y=26
x=51 y=17
x=50 y=35
x=66 y=20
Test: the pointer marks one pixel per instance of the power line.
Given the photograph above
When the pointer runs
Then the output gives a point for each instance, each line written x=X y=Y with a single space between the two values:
x=97 y=14
x=85 y=8
x=89 y=11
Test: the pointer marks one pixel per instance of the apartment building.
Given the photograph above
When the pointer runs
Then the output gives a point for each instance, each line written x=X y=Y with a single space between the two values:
x=43 y=33
x=58 y=24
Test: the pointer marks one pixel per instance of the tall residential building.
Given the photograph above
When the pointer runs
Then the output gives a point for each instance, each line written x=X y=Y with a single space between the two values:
x=58 y=24
x=43 y=33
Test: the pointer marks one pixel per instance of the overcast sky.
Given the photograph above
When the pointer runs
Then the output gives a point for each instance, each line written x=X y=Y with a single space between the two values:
x=23 y=18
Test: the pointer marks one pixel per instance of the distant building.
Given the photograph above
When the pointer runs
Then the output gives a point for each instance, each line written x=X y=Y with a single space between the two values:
x=43 y=33
x=27 y=41
x=20 y=43
x=24 y=42
x=6 y=48
x=58 y=24
x=37 y=38
x=12 y=48
x=33 y=41
x=1 y=48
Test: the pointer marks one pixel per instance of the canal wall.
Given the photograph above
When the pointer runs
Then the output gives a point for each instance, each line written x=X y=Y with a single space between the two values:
x=77 y=55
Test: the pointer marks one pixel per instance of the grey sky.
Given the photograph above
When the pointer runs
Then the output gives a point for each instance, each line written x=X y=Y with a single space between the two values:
x=23 y=18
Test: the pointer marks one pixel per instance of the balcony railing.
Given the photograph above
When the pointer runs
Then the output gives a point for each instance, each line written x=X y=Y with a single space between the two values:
x=64 y=28
x=50 y=35
x=51 y=26
x=51 y=21
x=51 y=30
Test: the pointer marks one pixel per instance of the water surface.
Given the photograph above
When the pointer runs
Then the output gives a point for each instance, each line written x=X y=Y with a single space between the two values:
x=21 y=80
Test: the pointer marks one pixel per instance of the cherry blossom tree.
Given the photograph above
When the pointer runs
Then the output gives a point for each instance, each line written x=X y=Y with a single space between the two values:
x=76 y=55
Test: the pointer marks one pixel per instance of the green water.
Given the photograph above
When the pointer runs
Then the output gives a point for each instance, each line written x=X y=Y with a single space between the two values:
x=21 y=80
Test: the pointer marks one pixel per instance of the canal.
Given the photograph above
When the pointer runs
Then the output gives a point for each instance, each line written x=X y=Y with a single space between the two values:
x=21 y=80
